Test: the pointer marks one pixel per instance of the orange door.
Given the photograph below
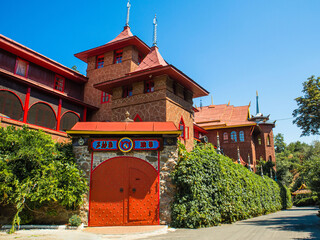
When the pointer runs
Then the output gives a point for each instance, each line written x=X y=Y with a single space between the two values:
x=124 y=191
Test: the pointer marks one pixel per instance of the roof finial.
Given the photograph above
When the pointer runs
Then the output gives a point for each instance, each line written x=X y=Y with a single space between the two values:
x=128 y=13
x=258 y=110
x=155 y=24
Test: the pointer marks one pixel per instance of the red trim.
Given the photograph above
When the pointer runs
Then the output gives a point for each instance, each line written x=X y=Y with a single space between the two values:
x=184 y=128
x=71 y=112
x=105 y=97
x=137 y=117
x=59 y=114
x=159 y=187
x=84 y=118
x=27 y=69
x=58 y=82
x=100 y=61
x=90 y=189
x=46 y=104
x=15 y=95
x=26 y=106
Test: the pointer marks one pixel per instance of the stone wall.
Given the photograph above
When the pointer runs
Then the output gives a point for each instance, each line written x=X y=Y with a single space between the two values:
x=168 y=160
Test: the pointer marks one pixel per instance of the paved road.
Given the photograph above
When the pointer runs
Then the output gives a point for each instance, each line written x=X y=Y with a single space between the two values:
x=295 y=223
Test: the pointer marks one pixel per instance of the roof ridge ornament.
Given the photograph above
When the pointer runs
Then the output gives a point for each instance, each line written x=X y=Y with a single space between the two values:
x=128 y=13
x=155 y=24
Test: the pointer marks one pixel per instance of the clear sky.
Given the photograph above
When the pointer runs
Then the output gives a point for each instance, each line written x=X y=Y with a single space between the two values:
x=230 y=47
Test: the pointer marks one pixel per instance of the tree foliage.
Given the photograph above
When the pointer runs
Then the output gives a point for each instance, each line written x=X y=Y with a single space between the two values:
x=307 y=115
x=34 y=170
x=211 y=189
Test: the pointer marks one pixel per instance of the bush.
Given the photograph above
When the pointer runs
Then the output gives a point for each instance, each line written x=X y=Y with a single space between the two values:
x=75 y=220
x=306 y=201
x=286 y=199
x=34 y=171
x=211 y=189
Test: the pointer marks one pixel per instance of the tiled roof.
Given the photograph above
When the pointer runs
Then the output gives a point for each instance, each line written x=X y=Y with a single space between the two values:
x=153 y=59
x=224 y=115
x=126 y=33
x=124 y=127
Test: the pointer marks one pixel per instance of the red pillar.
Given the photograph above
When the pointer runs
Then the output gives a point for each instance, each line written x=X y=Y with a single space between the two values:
x=84 y=117
x=26 y=106
x=59 y=114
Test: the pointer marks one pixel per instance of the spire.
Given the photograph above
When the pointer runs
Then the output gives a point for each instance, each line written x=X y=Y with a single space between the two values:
x=218 y=144
x=258 y=110
x=128 y=13
x=155 y=24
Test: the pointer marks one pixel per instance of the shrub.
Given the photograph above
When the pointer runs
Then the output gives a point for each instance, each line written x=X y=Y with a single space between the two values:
x=211 y=189
x=286 y=199
x=306 y=201
x=34 y=170
x=75 y=220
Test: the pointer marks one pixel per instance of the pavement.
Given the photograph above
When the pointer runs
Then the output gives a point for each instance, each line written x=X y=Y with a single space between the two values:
x=295 y=223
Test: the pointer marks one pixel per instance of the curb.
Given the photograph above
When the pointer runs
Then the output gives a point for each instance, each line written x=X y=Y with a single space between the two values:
x=42 y=227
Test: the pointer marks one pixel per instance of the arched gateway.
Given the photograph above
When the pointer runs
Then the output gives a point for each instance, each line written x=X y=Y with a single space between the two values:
x=128 y=166
x=124 y=191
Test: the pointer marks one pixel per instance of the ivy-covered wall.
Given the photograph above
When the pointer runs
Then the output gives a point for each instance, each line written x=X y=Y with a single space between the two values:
x=211 y=189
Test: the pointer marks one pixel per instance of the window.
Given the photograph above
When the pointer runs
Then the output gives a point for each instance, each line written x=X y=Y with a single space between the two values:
x=182 y=128
x=225 y=137
x=268 y=140
x=105 y=97
x=234 y=136
x=127 y=91
x=137 y=118
x=259 y=140
x=59 y=83
x=241 y=136
x=100 y=61
x=118 y=56
x=10 y=105
x=68 y=120
x=41 y=114
x=21 y=68
x=149 y=87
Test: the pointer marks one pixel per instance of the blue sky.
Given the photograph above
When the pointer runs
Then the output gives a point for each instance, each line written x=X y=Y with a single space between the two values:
x=230 y=47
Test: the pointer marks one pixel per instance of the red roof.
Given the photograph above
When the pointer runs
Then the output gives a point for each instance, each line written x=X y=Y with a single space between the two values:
x=153 y=59
x=222 y=116
x=124 y=128
x=125 y=38
x=39 y=59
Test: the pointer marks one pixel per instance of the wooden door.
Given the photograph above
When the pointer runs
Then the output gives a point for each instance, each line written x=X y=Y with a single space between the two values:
x=124 y=191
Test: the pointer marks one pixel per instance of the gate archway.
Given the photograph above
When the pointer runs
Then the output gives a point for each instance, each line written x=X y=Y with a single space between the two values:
x=124 y=191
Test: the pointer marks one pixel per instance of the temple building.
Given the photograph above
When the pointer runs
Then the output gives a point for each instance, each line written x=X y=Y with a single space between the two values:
x=239 y=135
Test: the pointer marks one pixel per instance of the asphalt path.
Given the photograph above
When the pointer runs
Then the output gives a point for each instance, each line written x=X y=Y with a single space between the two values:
x=295 y=223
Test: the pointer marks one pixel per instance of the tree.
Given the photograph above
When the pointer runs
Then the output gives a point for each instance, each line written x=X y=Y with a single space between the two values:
x=279 y=143
x=307 y=115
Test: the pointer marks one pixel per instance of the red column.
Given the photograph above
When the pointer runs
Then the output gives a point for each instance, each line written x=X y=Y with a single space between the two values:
x=59 y=114
x=26 y=106
x=84 y=117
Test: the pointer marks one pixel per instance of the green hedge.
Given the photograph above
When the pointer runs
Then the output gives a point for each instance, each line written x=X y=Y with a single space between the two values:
x=211 y=189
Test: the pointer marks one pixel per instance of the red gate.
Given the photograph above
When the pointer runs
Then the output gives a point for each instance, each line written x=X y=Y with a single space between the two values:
x=124 y=191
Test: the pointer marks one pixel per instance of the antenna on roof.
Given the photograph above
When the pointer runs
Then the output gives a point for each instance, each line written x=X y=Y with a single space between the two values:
x=155 y=24
x=211 y=100
x=128 y=13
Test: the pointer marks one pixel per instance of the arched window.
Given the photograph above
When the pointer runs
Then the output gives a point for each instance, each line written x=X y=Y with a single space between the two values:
x=182 y=128
x=241 y=136
x=225 y=137
x=10 y=105
x=41 y=114
x=68 y=120
x=234 y=136
x=268 y=140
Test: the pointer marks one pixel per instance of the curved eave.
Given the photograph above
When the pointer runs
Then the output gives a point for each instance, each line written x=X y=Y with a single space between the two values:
x=38 y=59
x=44 y=88
x=232 y=126
x=169 y=70
x=71 y=132
x=134 y=40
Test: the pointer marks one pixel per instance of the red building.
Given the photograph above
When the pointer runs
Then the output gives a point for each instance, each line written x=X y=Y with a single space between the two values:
x=236 y=128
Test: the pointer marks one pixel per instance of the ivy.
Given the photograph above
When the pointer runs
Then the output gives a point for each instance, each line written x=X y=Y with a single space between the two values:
x=211 y=189
x=34 y=171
